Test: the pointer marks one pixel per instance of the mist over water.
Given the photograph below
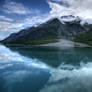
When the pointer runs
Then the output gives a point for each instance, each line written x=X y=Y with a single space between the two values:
x=45 y=69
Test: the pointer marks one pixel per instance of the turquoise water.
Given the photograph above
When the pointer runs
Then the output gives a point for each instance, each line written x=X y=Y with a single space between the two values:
x=45 y=69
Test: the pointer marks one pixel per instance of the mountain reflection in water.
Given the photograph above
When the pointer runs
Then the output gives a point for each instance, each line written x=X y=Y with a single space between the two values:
x=56 y=56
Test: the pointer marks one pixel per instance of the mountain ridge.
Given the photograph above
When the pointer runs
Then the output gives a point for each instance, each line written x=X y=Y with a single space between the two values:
x=50 y=31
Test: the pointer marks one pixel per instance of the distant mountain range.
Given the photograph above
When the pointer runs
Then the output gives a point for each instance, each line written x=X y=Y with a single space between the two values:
x=66 y=27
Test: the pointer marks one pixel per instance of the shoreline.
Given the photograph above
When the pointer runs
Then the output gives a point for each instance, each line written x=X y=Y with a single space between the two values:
x=65 y=43
x=60 y=43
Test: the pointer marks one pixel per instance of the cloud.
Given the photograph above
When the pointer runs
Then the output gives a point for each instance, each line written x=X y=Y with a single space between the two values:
x=82 y=8
x=10 y=27
x=12 y=7
x=57 y=10
x=36 y=20
x=3 y=18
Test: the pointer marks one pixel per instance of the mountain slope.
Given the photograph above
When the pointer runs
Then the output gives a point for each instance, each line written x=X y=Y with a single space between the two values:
x=48 y=32
x=84 y=38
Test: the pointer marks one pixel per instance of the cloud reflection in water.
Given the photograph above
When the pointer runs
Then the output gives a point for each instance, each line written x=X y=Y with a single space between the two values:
x=22 y=72
x=75 y=80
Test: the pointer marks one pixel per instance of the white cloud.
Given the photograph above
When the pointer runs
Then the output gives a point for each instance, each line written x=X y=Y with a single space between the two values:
x=82 y=8
x=3 y=18
x=11 y=27
x=57 y=10
x=7 y=27
x=15 y=8
x=36 y=20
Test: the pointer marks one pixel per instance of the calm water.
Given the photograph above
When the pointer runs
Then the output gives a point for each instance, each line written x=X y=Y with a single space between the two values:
x=45 y=69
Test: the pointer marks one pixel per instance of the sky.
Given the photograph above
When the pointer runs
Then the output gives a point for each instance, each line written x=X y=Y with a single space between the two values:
x=19 y=14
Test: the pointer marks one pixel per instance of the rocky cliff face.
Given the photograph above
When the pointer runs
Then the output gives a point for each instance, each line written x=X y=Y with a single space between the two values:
x=63 y=27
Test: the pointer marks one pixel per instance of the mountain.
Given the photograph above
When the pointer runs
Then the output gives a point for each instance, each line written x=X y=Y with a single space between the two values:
x=66 y=27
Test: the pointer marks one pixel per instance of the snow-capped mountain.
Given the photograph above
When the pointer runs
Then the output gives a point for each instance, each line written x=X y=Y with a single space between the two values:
x=67 y=27
x=70 y=18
